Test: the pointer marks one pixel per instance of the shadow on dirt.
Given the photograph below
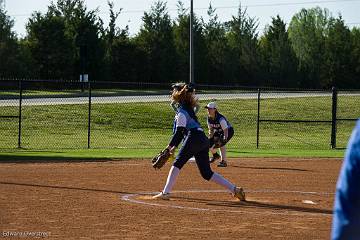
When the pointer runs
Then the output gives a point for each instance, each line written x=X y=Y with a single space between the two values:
x=255 y=205
x=63 y=187
x=273 y=168
x=53 y=159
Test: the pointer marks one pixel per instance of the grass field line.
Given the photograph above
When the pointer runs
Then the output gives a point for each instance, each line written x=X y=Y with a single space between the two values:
x=158 y=98
x=83 y=155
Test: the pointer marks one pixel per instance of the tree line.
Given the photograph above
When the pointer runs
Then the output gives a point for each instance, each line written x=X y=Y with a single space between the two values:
x=315 y=50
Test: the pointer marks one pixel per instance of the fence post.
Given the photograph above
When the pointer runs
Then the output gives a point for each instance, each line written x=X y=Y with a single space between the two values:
x=333 y=118
x=89 y=116
x=20 y=112
x=258 y=120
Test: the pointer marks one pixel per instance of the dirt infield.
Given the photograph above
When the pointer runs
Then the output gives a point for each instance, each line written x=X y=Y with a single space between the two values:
x=287 y=199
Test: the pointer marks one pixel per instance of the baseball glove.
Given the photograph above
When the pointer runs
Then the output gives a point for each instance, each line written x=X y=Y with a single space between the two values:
x=161 y=158
x=219 y=141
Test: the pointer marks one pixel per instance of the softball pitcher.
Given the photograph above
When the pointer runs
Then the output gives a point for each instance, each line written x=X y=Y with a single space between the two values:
x=195 y=144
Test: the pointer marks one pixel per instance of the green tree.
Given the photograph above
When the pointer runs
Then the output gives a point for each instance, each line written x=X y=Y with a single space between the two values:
x=156 y=39
x=181 y=41
x=337 y=69
x=242 y=38
x=86 y=29
x=55 y=40
x=355 y=57
x=50 y=46
x=114 y=32
x=217 y=50
x=113 y=36
x=126 y=61
x=129 y=62
x=307 y=32
x=279 y=58
x=181 y=35
x=9 y=53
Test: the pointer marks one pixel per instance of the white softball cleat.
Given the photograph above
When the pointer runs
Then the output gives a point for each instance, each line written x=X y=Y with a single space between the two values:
x=162 y=196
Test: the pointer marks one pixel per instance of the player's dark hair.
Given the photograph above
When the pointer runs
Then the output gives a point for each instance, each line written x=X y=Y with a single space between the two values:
x=184 y=95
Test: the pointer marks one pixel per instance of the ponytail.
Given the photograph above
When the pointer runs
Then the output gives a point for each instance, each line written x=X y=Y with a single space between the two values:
x=184 y=94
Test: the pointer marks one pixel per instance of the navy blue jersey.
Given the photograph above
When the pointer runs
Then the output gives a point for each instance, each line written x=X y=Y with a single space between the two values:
x=186 y=118
x=214 y=124
x=195 y=142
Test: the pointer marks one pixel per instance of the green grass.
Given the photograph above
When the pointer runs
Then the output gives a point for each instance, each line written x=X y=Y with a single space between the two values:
x=118 y=154
x=148 y=126
x=14 y=94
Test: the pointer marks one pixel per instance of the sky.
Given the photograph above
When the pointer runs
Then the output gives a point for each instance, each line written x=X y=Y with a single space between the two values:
x=133 y=10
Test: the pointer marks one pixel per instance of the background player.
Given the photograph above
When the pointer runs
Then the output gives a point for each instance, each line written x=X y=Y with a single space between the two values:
x=219 y=127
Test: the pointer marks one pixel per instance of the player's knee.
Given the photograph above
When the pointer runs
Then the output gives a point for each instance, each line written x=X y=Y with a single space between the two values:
x=206 y=174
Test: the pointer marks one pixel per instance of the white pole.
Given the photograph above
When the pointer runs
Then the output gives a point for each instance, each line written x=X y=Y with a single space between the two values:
x=192 y=80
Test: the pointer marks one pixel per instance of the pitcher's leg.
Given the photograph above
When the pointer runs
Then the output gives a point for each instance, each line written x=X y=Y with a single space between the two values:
x=170 y=182
x=171 y=179
x=237 y=192
x=185 y=153
x=202 y=161
x=203 y=164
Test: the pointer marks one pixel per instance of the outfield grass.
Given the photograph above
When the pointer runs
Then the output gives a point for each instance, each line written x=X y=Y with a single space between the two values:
x=146 y=154
x=143 y=127
x=14 y=94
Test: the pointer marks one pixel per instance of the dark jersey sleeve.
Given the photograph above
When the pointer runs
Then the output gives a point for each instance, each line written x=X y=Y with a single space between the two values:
x=178 y=136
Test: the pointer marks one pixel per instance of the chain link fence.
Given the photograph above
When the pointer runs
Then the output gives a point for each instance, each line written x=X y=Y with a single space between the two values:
x=307 y=119
x=74 y=115
x=347 y=111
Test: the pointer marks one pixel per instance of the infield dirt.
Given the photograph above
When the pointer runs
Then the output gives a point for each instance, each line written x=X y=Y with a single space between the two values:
x=287 y=198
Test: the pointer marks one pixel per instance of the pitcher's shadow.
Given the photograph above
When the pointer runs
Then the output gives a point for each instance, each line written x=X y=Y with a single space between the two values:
x=243 y=205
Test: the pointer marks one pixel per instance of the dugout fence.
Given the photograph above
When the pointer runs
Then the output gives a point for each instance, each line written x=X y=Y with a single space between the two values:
x=73 y=115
